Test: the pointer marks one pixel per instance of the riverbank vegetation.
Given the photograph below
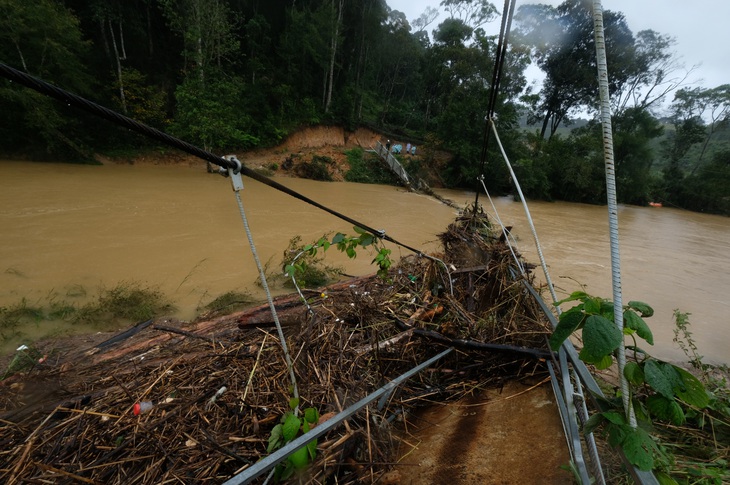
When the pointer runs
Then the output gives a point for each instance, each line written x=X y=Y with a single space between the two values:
x=241 y=75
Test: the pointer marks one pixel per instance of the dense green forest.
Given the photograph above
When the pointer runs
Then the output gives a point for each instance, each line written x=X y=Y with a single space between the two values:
x=240 y=74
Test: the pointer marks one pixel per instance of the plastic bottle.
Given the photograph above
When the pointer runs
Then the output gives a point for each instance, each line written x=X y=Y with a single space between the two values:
x=142 y=407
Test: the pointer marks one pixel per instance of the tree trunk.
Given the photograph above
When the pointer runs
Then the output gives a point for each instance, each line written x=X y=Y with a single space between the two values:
x=118 y=60
x=333 y=54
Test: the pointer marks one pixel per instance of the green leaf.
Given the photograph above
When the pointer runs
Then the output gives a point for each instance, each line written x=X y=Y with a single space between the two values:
x=600 y=338
x=665 y=409
x=569 y=322
x=351 y=253
x=312 y=448
x=339 y=237
x=576 y=295
x=657 y=379
x=641 y=307
x=293 y=403
x=291 y=427
x=664 y=479
x=691 y=389
x=274 y=438
x=592 y=306
x=604 y=363
x=300 y=458
x=634 y=374
x=614 y=417
x=592 y=423
x=639 y=448
x=635 y=322
x=311 y=415
x=359 y=230
x=366 y=240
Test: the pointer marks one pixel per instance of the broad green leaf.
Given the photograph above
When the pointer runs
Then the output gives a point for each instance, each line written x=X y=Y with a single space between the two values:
x=600 y=337
x=311 y=415
x=339 y=237
x=604 y=362
x=274 y=438
x=291 y=427
x=635 y=322
x=634 y=374
x=641 y=307
x=305 y=426
x=691 y=391
x=359 y=230
x=592 y=306
x=366 y=240
x=592 y=423
x=665 y=409
x=300 y=458
x=576 y=295
x=639 y=449
x=569 y=322
x=607 y=309
x=617 y=433
x=657 y=379
x=312 y=449
x=614 y=417
x=293 y=403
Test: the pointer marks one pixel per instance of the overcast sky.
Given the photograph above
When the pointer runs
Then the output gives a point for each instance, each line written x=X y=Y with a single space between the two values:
x=699 y=26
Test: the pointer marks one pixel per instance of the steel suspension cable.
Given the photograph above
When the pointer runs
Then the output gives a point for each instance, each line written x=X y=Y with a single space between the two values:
x=612 y=202
x=500 y=54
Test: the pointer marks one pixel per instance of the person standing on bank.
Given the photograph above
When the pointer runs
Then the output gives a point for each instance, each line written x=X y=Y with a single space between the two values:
x=408 y=148
x=387 y=146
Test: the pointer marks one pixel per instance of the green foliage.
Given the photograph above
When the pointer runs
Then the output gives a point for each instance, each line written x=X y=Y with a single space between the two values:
x=367 y=168
x=207 y=115
x=347 y=245
x=667 y=391
x=228 y=302
x=307 y=263
x=289 y=428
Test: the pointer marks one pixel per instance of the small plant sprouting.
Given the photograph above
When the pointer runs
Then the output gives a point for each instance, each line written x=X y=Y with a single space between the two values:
x=290 y=427
x=347 y=245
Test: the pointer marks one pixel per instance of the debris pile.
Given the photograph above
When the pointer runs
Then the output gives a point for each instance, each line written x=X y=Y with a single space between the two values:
x=196 y=403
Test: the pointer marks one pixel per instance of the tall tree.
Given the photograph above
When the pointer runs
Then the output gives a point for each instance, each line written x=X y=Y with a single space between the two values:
x=43 y=39
x=561 y=39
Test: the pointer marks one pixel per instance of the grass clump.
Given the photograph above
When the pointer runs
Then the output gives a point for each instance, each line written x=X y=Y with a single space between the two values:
x=228 y=302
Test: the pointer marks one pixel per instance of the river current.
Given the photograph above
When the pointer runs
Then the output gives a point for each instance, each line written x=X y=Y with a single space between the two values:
x=176 y=228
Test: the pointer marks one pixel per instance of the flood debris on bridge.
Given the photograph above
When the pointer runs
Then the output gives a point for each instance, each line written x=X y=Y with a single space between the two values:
x=216 y=388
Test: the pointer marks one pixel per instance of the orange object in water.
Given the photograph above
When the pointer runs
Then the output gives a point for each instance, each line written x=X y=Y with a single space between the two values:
x=655 y=204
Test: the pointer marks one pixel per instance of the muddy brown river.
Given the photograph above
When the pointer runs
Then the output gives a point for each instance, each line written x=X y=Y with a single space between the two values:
x=66 y=230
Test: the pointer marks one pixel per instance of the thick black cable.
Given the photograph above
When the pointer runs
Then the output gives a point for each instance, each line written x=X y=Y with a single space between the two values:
x=501 y=53
x=95 y=109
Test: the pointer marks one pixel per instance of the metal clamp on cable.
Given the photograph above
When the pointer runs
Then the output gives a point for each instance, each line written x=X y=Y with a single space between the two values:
x=235 y=173
x=381 y=233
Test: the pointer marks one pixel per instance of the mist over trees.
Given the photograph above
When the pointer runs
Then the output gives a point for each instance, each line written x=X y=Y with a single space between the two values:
x=240 y=74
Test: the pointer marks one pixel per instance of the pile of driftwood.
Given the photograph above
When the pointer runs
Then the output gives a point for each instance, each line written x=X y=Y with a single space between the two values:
x=196 y=403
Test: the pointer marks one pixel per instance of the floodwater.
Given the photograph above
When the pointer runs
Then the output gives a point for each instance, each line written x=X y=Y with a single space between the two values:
x=70 y=229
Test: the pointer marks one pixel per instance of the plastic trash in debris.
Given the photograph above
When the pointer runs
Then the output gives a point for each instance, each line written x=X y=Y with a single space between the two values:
x=142 y=407
x=215 y=397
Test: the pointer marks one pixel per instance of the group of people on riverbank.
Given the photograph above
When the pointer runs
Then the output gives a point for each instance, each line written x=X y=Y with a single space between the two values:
x=398 y=148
